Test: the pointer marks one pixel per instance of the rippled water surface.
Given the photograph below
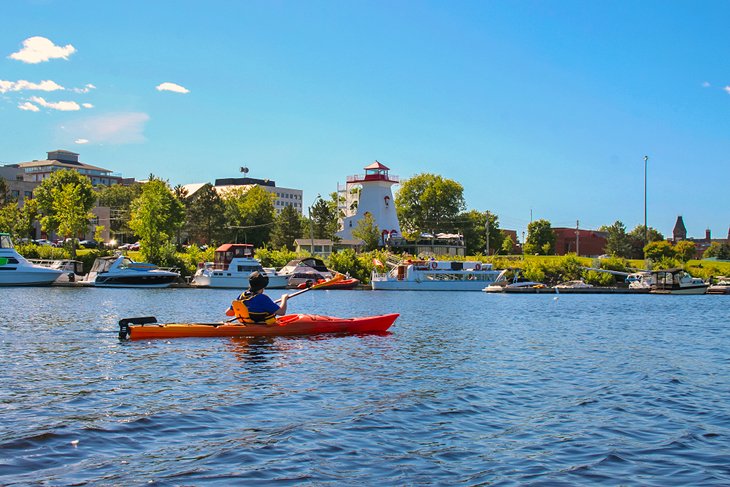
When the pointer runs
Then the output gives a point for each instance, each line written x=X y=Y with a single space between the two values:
x=468 y=388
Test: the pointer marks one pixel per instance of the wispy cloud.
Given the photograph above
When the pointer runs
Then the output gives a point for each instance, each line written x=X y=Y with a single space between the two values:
x=87 y=88
x=167 y=86
x=23 y=85
x=28 y=106
x=39 y=49
x=116 y=128
x=727 y=89
x=705 y=84
x=81 y=141
x=87 y=105
x=63 y=106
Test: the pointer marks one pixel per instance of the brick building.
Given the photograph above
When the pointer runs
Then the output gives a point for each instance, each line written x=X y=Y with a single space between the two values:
x=589 y=243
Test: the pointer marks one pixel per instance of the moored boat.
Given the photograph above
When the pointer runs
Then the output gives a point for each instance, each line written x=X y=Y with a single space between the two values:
x=721 y=286
x=15 y=270
x=289 y=325
x=309 y=269
x=676 y=281
x=232 y=265
x=121 y=271
x=433 y=275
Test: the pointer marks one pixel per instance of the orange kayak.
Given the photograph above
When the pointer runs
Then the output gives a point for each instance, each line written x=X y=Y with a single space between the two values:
x=289 y=325
x=340 y=284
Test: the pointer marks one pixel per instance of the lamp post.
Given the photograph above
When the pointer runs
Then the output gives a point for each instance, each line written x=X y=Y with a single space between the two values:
x=646 y=227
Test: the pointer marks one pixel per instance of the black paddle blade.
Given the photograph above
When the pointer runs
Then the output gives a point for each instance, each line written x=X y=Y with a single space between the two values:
x=125 y=322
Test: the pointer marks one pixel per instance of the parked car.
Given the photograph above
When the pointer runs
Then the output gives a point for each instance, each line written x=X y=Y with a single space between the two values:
x=89 y=244
x=124 y=246
x=42 y=241
x=134 y=246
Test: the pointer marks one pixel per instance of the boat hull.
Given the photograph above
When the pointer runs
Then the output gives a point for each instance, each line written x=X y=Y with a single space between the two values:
x=141 y=280
x=393 y=285
x=682 y=290
x=236 y=282
x=289 y=325
x=30 y=277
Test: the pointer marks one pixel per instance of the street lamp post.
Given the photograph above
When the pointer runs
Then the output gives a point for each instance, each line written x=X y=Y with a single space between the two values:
x=646 y=227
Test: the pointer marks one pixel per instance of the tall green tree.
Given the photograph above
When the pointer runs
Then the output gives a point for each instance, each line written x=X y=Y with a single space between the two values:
x=206 y=215
x=685 y=250
x=65 y=199
x=659 y=250
x=473 y=225
x=367 y=231
x=617 y=241
x=118 y=198
x=540 y=238
x=323 y=215
x=287 y=228
x=428 y=202
x=250 y=214
x=156 y=216
x=636 y=240
x=4 y=194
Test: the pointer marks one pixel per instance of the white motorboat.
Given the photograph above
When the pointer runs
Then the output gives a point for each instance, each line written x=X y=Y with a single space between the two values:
x=310 y=269
x=502 y=283
x=676 y=281
x=15 y=270
x=121 y=271
x=577 y=284
x=433 y=275
x=721 y=286
x=232 y=265
x=73 y=270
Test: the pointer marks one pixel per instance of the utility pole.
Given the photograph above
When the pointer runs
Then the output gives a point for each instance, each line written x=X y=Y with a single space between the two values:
x=646 y=227
x=486 y=227
x=577 y=238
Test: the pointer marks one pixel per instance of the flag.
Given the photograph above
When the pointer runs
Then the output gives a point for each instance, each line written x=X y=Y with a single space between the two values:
x=377 y=263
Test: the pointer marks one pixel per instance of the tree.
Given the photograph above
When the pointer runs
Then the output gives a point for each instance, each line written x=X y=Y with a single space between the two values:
x=323 y=215
x=287 y=228
x=252 y=211
x=156 y=216
x=718 y=251
x=205 y=215
x=65 y=199
x=508 y=245
x=367 y=231
x=540 y=238
x=617 y=242
x=659 y=250
x=636 y=240
x=119 y=200
x=3 y=192
x=428 y=202
x=685 y=250
x=473 y=226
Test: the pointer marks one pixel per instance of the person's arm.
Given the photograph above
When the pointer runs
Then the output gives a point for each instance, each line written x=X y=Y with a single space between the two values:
x=282 y=307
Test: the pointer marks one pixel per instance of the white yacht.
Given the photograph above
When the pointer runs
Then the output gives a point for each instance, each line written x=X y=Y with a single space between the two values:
x=232 y=265
x=433 y=275
x=121 y=271
x=722 y=286
x=15 y=270
x=676 y=281
x=311 y=269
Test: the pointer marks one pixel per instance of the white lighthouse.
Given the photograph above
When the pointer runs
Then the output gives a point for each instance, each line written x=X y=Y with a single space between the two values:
x=369 y=193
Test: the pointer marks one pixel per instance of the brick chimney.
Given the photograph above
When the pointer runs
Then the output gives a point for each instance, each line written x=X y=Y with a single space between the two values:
x=679 y=232
x=708 y=236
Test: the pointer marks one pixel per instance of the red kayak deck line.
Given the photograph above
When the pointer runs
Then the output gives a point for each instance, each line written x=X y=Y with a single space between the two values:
x=289 y=325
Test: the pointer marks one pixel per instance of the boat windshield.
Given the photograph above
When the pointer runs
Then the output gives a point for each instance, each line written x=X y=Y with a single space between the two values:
x=5 y=242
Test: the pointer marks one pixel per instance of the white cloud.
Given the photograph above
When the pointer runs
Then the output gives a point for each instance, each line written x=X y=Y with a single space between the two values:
x=172 y=87
x=87 y=105
x=28 y=106
x=706 y=84
x=727 y=89
x=115 y=128
x=81 y=141
x=63 y=106
x=21 y=85
x=87 y=88
x=39 y=49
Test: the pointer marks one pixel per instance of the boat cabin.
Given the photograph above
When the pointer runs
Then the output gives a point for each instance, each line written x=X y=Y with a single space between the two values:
x=227 y=252
x=5 y=241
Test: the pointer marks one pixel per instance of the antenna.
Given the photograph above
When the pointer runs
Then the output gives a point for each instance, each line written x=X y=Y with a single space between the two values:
x=244 y=169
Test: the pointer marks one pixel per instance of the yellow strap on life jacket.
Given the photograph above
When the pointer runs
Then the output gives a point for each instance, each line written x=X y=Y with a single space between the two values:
x=240 y=310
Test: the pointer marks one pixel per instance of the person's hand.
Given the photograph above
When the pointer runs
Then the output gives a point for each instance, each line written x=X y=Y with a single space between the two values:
x=284 y=297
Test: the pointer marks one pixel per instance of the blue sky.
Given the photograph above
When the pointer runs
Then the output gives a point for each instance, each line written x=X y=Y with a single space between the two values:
x=542 y=108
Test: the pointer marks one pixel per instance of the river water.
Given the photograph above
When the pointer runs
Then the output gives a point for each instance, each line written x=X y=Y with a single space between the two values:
x=468 y=389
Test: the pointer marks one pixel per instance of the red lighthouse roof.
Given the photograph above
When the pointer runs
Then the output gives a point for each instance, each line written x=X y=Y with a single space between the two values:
x=377 y=165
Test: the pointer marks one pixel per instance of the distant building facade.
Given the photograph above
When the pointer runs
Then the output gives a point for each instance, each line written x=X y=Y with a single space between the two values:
x=37 y=171
x=586 y=243
x=679 y=233
x=283 y=197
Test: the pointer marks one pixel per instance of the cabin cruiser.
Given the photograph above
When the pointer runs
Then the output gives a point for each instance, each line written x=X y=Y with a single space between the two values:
x=121 y=271
x=504 y=282
x=721 y=286
x=73 y=270
x=231 y=266
x=309 y=269
x=676 y=281
x=15 y=270
x=433 y=275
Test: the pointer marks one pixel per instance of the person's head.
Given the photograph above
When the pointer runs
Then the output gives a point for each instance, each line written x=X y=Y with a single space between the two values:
x=257 y=281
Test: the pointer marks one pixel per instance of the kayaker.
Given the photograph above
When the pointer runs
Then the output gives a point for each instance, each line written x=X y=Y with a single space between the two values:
x=260 y=307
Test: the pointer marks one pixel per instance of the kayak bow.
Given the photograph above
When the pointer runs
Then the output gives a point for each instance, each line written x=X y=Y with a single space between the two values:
x=289 y=325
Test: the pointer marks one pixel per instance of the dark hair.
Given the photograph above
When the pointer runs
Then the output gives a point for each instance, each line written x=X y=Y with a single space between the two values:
x=257 y=281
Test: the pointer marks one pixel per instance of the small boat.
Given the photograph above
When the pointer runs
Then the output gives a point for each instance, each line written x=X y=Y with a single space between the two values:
x=309 y=269
x=722 y=286
x=676 y=281
x=288 y=325
x=73 y=270
x=232 y=265
x=433 y=275
x=346 y=283
x=577 y=284
x=504 y=284
x=15 y=270
x=121 y=271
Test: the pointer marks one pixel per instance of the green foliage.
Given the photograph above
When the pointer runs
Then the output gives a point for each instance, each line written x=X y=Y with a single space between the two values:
x=570 y=269
x=428 y=202
x=367 y=231
x=666 y=262
x=33 y=251
x=718 y=251
x=18 y=222
x=89 y=256
x=191 y=257
x=659 y=250
x=617 y=241
x=685 y=250
x=534 y=271
x=348 y=262
x=636 y=240
x=508 y=245
x=615 y=264
x=156 y=216
x=599 y=278
x=119 y=200
x=277 y=258
x=205 y=216
x=252 y=212
x=540 y=238
x=473 y=226
x=323 y=216
x=287 y=228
